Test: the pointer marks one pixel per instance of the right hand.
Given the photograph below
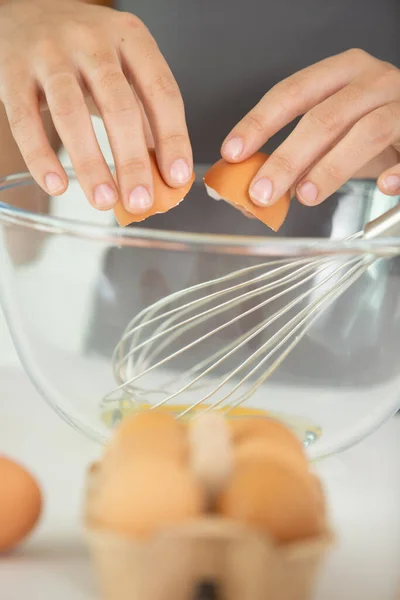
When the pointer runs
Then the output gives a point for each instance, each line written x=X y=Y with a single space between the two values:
x=59 y=55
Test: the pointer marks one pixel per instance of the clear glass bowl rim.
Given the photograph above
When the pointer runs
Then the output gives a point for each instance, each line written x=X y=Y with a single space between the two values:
x=186 y=242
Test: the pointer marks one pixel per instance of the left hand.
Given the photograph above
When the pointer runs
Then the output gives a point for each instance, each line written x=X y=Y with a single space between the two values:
x=351 y=124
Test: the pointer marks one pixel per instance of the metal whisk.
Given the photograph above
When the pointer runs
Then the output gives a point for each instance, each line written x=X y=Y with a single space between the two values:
x=213 y=345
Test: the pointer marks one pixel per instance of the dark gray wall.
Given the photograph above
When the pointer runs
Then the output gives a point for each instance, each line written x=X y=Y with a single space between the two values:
x=227 y=53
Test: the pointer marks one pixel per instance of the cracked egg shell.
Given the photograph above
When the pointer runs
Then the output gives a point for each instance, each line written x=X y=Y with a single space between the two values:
x=231 y=182
x=165 y=197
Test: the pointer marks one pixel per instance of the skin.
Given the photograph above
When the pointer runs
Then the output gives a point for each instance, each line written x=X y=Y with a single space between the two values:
x=77 y=52
x=350 y=128
x=23 y=246
x=92 y=59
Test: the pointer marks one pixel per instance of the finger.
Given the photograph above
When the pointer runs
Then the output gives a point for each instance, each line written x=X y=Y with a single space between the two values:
x=317 y=132
x=162 y=100
x=148 y=134
x=72 y=121
x=22 y=108
x=367 y=139
x=389 y=181
x=123 y=122
x=374 y=169
x=289 y=99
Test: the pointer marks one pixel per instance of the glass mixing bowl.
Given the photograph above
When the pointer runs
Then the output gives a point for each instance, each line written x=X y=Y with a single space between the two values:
x=71 y=281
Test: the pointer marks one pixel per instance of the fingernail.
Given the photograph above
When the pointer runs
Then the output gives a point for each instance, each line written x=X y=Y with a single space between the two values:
x=180 y=171
x=53 y=183
x=308 y=193
x=233 y=148
x=391 y=183
x=261 y=191
x=139 y=200
x=104 y=196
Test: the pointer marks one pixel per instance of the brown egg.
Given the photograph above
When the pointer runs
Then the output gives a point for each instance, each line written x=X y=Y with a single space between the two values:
x=253 y=449
x=263 y=435
x=275 y=498
x=165 y=197
x=144 y=496
x=150 y=433
x=231 y=182
x=20 y=503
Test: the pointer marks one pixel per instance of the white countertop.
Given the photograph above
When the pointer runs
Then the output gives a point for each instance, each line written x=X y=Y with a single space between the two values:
x=363 y=487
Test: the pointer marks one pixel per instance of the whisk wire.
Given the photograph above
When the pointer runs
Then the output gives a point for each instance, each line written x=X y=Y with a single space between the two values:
x=291 y=327
x=246 y=339
x=188 y=321
x=182 y=310
x=310 y=315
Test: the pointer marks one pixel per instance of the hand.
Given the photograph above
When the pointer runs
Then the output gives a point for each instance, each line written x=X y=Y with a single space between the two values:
x=62 y=54
x=351 y=125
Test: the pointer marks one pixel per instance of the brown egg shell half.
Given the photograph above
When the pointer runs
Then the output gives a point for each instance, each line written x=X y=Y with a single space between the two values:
x=165 y=197
x=231 y=182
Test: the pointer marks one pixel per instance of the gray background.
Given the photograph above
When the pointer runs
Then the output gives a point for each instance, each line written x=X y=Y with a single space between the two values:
x=226 y=54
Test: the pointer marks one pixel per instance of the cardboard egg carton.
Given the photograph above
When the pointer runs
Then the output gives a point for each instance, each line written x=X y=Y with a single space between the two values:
x=211 y=553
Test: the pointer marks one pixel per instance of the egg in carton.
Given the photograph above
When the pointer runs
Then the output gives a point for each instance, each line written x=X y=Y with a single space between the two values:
x=209 y=509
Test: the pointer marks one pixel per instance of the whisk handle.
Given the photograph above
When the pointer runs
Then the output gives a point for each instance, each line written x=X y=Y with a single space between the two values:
x=387 y=225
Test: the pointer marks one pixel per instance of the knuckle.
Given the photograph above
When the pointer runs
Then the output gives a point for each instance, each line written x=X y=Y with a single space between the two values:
x=118 y=104
x=164 y=85
x=353 y=93
x=389 y=77
x=59 y=80
x=291 y=94
x=332 y=173
x=378 y=126
x=323 y=118
x=89 y=164
x=291 y=89
x=45 y=46
x=35 y=155
x=63 y=94
x=133 y=166
x=65 y=107
x=131 y=21
x=358 y=54
x=19 y=116
x=103 y=58
x=255 y=121
x=84 y=35
x=283 y=163
x=117 y=97
x=111 y=79
x=173 y=139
